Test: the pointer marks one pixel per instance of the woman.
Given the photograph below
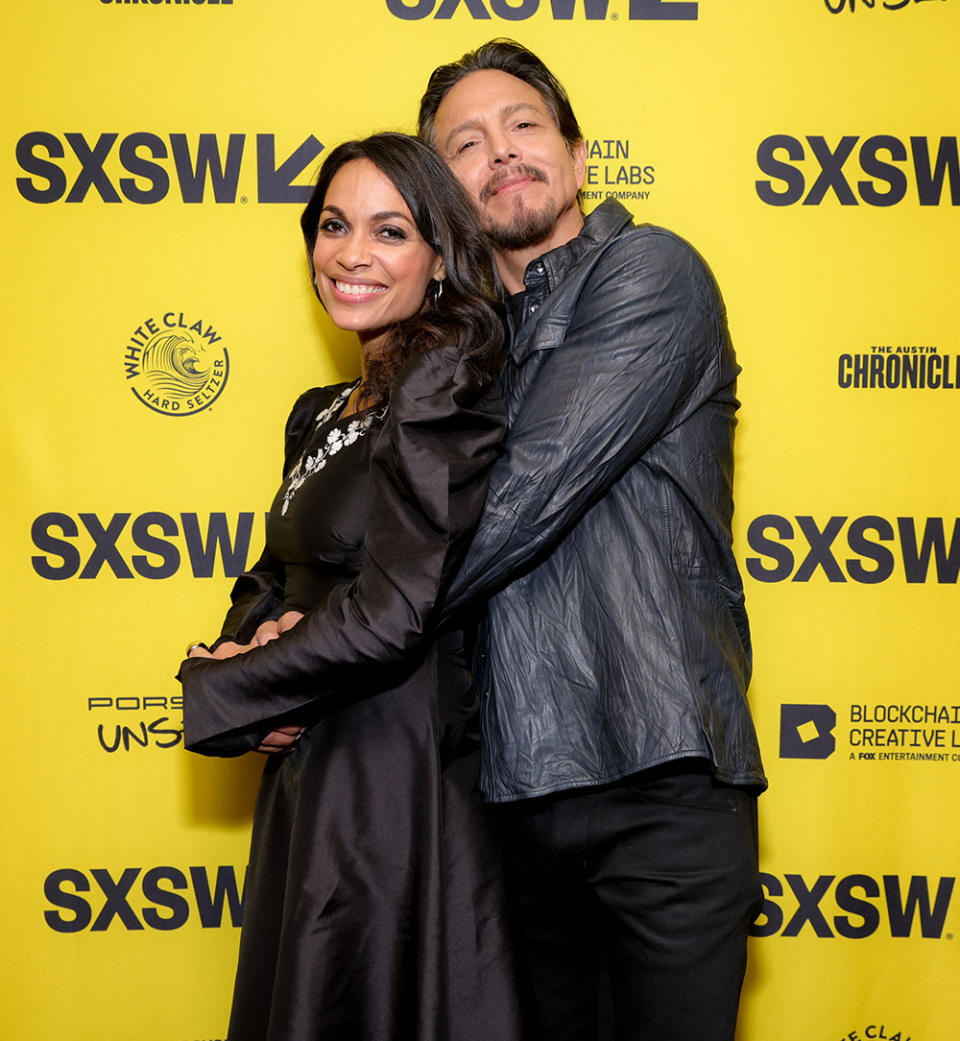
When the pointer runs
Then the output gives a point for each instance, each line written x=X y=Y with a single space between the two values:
x=372 y=906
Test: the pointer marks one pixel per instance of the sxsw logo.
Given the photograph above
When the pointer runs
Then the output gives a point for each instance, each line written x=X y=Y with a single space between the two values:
x=560 y=10
x=885 y=162
x=855 y=906
x=868 y=549
x=162 y=898
x=144 y=167
x=806 y=731
x=203 y=542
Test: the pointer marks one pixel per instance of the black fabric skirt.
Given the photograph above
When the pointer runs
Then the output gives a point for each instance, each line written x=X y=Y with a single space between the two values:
x=374 y=908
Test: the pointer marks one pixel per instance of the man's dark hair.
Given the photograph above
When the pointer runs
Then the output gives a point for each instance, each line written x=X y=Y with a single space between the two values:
x=502 y=55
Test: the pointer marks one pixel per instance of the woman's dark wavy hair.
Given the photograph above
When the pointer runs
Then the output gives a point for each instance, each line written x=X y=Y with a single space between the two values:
x=466 y=313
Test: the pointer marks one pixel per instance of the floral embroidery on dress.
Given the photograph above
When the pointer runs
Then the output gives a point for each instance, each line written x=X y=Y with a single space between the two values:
x=334 y=407
x=307 y=465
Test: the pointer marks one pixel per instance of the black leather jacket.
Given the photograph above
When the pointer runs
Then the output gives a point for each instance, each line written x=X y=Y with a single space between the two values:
x=618 y=638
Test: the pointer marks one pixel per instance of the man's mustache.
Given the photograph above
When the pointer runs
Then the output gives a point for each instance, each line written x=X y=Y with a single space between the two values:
x=505 y=174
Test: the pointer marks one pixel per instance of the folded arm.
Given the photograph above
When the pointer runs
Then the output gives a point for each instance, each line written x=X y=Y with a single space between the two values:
x=429 y=474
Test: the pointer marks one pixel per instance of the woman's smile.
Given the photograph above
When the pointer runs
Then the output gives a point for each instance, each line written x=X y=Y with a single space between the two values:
x=372 y=264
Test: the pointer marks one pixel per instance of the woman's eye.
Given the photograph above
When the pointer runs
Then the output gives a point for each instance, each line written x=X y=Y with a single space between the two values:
x=393 y=234
x=331 y=226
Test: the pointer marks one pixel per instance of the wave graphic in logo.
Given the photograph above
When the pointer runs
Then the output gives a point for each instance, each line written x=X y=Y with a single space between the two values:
x=177 y=369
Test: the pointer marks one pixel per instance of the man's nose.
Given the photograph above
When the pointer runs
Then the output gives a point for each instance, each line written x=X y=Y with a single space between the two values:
x=502 y=149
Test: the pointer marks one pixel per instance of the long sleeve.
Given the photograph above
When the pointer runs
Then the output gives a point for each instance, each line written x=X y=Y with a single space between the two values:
x=644 y=349
x=429 y=474
x=257 y=594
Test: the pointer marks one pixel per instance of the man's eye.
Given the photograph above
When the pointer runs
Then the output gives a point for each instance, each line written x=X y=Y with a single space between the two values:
x=465 y=146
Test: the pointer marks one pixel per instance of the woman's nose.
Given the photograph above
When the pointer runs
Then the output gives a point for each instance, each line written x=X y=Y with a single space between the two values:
x=354 y=251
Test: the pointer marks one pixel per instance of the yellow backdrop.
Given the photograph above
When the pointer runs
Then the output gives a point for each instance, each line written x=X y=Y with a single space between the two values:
x=155 y=155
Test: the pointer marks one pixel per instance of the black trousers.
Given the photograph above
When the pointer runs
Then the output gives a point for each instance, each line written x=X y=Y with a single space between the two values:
x=633 y=902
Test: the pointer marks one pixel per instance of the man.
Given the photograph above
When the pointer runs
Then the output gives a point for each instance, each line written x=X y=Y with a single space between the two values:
x=615 y=655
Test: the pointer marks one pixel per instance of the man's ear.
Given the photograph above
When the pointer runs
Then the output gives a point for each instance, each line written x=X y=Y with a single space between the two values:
x=578 y=150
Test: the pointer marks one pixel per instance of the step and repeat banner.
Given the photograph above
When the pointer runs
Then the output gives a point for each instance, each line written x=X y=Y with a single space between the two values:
x=160 y=323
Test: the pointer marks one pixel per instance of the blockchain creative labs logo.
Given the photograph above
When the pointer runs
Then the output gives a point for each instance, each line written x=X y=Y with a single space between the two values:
x=806 y=731
x=898 y=366
x=614 y=170
x=877 y=733
x=176 y=365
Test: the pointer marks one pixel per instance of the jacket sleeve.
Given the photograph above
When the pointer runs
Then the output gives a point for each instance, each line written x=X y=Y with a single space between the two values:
x=429 y=473
x=641 y=352
x=258 y=593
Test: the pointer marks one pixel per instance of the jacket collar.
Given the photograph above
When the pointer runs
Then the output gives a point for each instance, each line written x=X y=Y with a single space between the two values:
x=545 y=273
x=599 y=227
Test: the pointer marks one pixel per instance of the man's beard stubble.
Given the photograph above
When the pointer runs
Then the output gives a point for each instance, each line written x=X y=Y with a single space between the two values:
x=525 y=228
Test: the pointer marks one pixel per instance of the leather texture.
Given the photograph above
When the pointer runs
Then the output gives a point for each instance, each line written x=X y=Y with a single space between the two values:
x=616 y=636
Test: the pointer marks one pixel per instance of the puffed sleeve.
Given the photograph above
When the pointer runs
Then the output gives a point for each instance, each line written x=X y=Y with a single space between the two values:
x=428 y=480
x=258 y=593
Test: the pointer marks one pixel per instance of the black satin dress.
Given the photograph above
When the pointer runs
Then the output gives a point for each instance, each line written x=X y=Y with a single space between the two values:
x=373 y=907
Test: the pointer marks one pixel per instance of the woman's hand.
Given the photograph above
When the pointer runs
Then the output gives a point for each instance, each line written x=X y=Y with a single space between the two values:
x=266 y=632
x=227 y=649
x=280 y=740
x=270 y=630
x=283 y=738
